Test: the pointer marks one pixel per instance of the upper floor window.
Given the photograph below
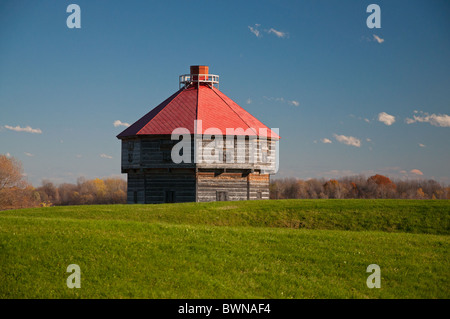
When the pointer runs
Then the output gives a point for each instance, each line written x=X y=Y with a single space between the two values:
x=130 y=145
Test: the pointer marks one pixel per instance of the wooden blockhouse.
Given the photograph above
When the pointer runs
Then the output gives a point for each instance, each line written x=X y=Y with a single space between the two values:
x=219 y=164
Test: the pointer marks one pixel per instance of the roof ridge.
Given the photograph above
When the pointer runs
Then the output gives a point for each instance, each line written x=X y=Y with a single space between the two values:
x=196 y=114
x=137 y=126
x=254 y=130
x=177 y=95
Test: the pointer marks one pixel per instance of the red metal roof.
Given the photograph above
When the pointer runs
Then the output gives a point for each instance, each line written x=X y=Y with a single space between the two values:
x=204 y=103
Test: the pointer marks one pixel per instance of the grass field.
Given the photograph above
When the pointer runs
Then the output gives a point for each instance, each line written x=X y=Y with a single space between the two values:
x=251 y=249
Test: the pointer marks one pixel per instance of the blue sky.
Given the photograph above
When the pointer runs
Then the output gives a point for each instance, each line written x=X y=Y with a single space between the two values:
x=313 y=69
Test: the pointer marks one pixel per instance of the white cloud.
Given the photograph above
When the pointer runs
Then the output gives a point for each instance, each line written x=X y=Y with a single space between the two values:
x=326 y=141
x=8 y=155
x=367 y=120
x=386 y=118
x=78 y=156
x=249 y=101
x=118 y=123
x=422 y=145
x=368 y=140
x=378 y=39
x=255 y=31
x=27 y=129
x=416 y=171
x=442 y=120
x=349 y=140
x=105 y=156
x=279 y=34
x=282 y=100
x=29 y=154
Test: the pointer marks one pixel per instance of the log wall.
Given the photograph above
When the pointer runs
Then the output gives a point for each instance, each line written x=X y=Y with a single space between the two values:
x=153 y=186
x=154 y=178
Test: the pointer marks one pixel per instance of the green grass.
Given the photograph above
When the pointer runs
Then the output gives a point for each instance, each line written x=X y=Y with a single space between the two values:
x=254 y=249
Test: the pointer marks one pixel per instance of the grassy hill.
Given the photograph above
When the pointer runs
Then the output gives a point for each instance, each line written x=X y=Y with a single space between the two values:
x=252 y=249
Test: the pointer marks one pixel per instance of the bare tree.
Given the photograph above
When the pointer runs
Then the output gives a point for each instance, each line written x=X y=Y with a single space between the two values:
x=11 y=173
x=376 y=186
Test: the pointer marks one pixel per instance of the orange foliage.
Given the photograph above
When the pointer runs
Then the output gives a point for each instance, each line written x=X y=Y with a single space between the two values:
x=381 y=180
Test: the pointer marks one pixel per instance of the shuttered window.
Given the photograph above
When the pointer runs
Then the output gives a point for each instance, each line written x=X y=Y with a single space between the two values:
x=221 y=196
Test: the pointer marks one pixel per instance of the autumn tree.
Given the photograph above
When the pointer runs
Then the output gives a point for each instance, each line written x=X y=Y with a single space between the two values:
x=358 y=186
x=11 y=173
x=274 y=190
x=85 y=192
x=116 y=188
x=385 y=188
x=15 y=192
x=420 y=193
x=315 y=188
x=48 y=192
x=380 y=180
x=334 y=189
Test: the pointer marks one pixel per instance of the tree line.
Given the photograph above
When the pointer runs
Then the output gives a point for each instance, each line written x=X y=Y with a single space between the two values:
x=16 y=192
x=376 y=186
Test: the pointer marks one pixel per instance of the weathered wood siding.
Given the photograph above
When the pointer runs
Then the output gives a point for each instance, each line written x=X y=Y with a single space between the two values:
x=152 y=186
x=237 y=186
x=151 y=152
x=154 y=178
x=179 y=181
x=135 y=188
x=237 y=154
x=258 y=186
x=155 y=152
x=131 y=154
x=234 y=184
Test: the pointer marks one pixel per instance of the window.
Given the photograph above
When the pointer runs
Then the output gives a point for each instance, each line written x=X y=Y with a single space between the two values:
x=224 y=155
x=258 y=195
x=130 y=151
x=170 y=197
x=221 y=196
x=227 y=155
x=135 y=197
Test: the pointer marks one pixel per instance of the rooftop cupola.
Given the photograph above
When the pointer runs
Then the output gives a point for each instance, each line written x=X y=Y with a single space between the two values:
x=199 y=75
